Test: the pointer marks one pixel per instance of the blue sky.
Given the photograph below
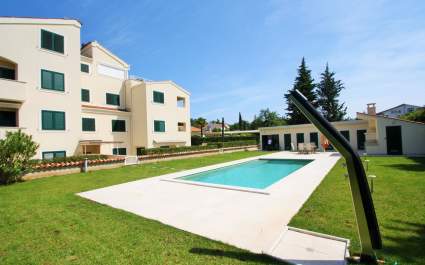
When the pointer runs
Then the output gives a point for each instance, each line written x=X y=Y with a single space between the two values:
x=242 y=55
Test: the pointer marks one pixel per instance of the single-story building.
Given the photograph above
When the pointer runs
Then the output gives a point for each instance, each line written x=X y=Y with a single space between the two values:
x=370 y=133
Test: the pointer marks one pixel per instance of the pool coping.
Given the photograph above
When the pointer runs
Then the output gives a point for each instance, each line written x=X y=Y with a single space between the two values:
x=265 y=191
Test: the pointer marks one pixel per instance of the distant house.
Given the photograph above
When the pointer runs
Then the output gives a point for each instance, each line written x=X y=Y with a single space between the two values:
x=214 y=126
x=397 y=111
x=195 y=131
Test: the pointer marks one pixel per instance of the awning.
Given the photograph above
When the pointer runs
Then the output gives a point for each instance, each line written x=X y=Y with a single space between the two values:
x=98 y=142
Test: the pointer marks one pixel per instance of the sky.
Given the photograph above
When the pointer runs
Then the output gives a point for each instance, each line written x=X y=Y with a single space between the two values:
x=242 y=55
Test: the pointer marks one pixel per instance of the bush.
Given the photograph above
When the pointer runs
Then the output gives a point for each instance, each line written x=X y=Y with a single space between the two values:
x=237 y=143
x=197 y=140
x=15 y=153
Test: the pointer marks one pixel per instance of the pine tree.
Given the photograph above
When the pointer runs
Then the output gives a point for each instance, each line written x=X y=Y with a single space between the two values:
x=305 y=84
x=240 y=122
x=328 y=91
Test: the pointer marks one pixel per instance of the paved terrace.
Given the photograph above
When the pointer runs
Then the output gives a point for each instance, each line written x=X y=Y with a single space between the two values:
x=248 y=220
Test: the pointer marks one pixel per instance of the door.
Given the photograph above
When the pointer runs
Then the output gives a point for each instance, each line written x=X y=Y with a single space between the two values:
x=270 y=142
x=394 y=144
x=361 y=138
x=287 y=141
x=314 y=138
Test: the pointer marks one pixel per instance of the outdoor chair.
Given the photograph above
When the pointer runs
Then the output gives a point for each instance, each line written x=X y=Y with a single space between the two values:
x=301 y=148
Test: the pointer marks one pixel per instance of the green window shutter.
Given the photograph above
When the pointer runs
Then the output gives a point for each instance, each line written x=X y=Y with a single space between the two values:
x=84 y=68
x=52 y=41
x=58 y=43
x=46 y=79
x=159 y=126
x=119 y=151
x=158 y=97
x=52 y=120
x=118 y=125
x=89 y=124
x=85 y=95
x=112 y=99
x=53 y=154
x=46 y=40
x=58 y=82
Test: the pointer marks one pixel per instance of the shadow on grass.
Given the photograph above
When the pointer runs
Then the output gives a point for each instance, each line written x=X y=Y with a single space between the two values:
x=241 y=256
x=419 y=165
x=410 y=244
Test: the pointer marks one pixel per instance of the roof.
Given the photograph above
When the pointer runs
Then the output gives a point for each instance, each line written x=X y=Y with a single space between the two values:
x=39 y=20
x=390 y=118
x=195 y=129
x=105 y=50
x=404 y=104
x=167 y=82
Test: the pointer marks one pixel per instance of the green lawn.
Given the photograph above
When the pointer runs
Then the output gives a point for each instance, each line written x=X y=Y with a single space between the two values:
x=399 y=199
x=44 y=222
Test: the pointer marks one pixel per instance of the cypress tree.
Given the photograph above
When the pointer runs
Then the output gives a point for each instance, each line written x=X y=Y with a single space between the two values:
x=305 y=84
x=240 y=122
x=328 y=91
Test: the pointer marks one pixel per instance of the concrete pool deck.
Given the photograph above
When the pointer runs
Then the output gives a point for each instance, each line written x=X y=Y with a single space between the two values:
x=248 y=220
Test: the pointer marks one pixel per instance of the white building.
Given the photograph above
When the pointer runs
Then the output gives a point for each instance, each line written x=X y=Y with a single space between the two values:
x=397 y=111
x=370 y=133
x=76 y=100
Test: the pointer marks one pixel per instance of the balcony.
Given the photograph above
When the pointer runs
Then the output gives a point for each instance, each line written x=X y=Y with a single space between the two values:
x=12 y=90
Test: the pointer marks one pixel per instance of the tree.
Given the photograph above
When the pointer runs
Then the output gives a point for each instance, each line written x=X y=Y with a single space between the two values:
x=201 y=123
x=267 y=118
x=16 y=151
x=305 y=84
x=240 y=122
x=328 y=91
x=417 y=115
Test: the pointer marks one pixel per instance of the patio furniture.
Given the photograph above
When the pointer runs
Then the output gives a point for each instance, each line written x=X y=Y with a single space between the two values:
x=301 y=148
x=309 y=148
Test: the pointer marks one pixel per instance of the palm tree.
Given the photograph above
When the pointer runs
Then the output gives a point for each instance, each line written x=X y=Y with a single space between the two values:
x=201 y=123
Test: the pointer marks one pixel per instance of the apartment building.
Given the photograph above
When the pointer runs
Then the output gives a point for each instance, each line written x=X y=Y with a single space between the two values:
x=77 y=99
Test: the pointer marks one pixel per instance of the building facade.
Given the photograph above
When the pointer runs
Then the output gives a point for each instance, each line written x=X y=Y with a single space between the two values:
x=400 y=110
x=76 y=100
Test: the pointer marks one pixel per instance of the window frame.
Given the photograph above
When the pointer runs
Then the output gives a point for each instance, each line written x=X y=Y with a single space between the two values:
x=183 y=100
x=54 y=154
x=155 y=127
x=52 y=80
x=108 y=99
x=184 y=126
x=113 y=122
x=92 y=127
x=82 y=95
x=53 y=41
x=154 y=98
x=88 y=68
x=53 y=128
x=117 y=151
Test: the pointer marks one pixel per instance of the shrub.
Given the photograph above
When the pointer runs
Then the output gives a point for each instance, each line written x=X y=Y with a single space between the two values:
x=15 y=153
x=197 y=140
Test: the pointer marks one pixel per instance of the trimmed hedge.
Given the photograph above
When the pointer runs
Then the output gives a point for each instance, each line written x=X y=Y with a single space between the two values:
x=198 y=140
x=173 y=150
x=67 y=159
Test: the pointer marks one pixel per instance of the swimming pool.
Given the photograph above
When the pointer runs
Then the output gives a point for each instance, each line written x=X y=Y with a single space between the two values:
x=256 y=174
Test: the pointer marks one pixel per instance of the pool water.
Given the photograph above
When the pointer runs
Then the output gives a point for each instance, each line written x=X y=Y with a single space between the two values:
x=257 y=174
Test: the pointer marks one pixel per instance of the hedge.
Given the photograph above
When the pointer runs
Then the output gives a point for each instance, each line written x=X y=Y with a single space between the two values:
x=198 y=140
x=67 y=159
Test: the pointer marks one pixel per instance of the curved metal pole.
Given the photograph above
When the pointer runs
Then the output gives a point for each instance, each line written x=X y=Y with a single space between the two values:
x=367 y=223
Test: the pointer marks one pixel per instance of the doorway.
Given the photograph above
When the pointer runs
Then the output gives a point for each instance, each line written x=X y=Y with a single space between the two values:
x=394 y=143
x=270 y=142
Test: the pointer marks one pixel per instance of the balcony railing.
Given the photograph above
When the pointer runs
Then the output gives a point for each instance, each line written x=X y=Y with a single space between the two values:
x=12 y=90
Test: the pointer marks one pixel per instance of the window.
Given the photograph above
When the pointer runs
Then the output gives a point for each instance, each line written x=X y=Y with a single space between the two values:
x=8 y=118
x=158 y=97
x=7 y=73
x=346 y=135
x=112 y=99
x=111 y=71
x=140 y=151
x=89 y=124
x=314 y=138
x=52 y=120
x=119 y=151
x=118 y=125
x=51 y=41
x=159 y=126
x=84 y=68
x=52 y=80
x=181 y=102
x=85 y=95
x=53 y=154
x=181 y=126
x=300 y=138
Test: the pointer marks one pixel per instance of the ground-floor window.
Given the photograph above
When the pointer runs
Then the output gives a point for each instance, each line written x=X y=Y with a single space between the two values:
x=119 y=151
x=53 y=154
x=300 y=138
x=159 y=126
x=139 y=151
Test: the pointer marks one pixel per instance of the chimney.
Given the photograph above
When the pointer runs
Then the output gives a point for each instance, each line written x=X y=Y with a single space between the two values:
x=371 y=109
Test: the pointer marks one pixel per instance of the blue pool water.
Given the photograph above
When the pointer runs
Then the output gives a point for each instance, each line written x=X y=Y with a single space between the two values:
x=257 y=174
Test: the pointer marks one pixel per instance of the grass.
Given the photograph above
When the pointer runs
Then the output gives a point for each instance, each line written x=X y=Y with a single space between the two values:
x=44 y=222
x=399 y=198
